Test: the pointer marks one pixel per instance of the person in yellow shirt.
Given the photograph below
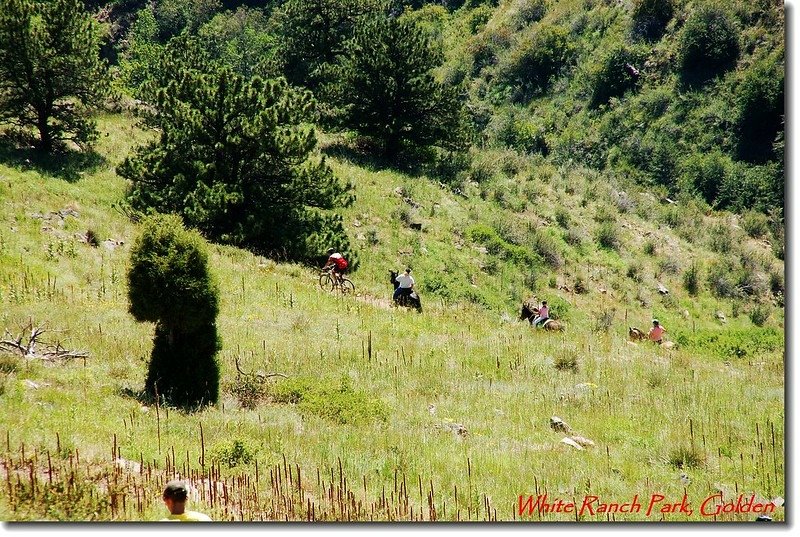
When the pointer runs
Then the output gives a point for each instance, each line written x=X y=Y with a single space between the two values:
x=175 y=494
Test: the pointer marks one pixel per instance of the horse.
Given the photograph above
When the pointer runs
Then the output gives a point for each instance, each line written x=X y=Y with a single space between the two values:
x=410 y=301
x=530 y=311
x=634 y=334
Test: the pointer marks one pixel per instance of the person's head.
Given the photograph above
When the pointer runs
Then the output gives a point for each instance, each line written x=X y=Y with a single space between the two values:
x=331 y=250
x=544 y=302
x=408 y=271
x=655 y=322
x=175 y=494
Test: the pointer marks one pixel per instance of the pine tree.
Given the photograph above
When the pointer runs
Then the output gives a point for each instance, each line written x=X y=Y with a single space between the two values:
x=234 y=159
x=50 y=70
x=169 y=284
x=387 y=90
x=312 y=34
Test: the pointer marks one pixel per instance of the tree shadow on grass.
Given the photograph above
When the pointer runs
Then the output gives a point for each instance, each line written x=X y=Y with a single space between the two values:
x=64 y=164
x=368 y=154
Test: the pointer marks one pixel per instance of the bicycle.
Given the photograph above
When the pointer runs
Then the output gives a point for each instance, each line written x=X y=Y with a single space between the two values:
x=330 y=281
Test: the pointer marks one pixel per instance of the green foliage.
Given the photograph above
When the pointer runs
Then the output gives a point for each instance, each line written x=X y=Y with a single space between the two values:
x=760 y=314
x=387 y=91
x=650 y=17
x=607 y=236
x=174 y=16
x=691 y=280
x=232 y=453
x=732 y=342
x=169 y=279
x=687 y=457
x=239 y=40
x=496 y=245
x=51 y=75
x=539 y=56
x=704 y=173
x=251 y=180
x=614 y=74
x=755 y=224
x=708 y=45
x=335 y=401
x=312 y=34
x=759 y=109
x=548 y=248
x=567 y=360
x=169 y=283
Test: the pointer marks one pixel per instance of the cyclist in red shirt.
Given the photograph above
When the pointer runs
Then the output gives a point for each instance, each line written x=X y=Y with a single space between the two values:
x=337 y=263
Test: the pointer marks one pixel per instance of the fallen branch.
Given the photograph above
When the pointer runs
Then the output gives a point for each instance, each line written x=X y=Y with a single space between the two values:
x=262 y=376
x=28 y=349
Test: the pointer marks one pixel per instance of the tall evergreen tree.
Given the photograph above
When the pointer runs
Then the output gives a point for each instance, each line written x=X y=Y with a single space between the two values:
x=234 y=159
x=387 y=91
x=312 y=33
x=50 y=69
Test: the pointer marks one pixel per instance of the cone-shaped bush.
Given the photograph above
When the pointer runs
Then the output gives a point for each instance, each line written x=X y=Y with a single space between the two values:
x=169 y=284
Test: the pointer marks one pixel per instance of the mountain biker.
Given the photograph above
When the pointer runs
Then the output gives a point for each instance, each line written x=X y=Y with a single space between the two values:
x=337 y=262
x=406 y=286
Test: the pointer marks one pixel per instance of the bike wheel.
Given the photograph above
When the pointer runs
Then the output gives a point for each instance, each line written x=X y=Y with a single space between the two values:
x=326 y=282
x=347 y=287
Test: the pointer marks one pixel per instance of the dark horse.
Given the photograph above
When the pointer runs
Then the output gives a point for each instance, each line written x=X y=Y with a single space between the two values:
x=410 y=301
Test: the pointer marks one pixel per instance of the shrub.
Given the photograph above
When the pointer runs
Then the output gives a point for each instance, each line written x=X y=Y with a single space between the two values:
x=759 y=314
x=649 y=248
x=634 y=271
x=668 y=266
x=720 y=238
x=650 y=17
x=562 y=217
x=607 y=236
x=708 y=45
x=686 y=457
x=169 y=283
x=703 y=174
x=540 y=54
x=691 y=280
x=548 y=248
x=614 y=74
x=233 y=453
x=528 y=11
x=721 y=280
x=759 y=110
x=336 y=401
x=567 y=361
x=755 y=224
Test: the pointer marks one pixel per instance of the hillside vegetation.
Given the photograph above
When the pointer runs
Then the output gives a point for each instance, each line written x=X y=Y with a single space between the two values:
x=594 y=167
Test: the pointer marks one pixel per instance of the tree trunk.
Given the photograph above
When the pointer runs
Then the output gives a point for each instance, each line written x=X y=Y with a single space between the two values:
x=45 y=132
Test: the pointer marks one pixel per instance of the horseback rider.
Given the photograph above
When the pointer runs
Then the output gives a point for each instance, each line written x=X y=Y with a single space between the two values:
x=542 y=315
x=656 y=333
x=337 y=263
x=405 y=287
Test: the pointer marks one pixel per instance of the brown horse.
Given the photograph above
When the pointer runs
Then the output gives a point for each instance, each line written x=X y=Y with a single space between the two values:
x=634 y=334
x=551 y=325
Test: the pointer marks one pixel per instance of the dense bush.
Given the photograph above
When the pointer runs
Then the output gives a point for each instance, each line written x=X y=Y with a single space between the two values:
x=614 y=74
x=538 y=57
x=759 y=110
x=169 y=284
x=704 y=174
x=708 y=45
x=650 y=17
x=607 y=236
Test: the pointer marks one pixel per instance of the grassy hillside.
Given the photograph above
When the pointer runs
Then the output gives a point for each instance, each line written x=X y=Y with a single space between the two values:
x=381 y=413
